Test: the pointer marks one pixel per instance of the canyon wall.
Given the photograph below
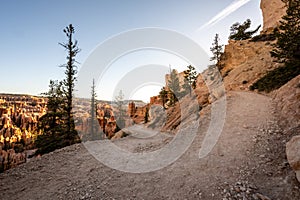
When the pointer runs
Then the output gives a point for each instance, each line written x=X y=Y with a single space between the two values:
x=246 y=61
x=272 y=11
x=19 y=115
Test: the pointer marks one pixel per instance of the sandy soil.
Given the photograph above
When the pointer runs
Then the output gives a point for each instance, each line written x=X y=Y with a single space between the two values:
x=248 y=162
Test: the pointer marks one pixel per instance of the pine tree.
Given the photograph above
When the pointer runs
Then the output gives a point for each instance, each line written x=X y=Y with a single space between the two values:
x=94 y=124
x=190 y=76
x=52 y=123
x=287 y=47
x=121 y=111
x=238 y=31
x=58 y=124
x=163 y=95
x=69 y=82
x=146 y=117
x=174 y=86
x=217 y=51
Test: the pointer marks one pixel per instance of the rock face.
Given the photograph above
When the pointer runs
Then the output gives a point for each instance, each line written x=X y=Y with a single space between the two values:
x=105 y=117
x=244 y=62
x=136 y=113
x=272 y=11
x=157 y=116
x=10 y=159
x=287 y=100
x=202 y=91
x=293 y=154
x=19 y=115
x=209 y=86
x=156 y=100
x=110 y=128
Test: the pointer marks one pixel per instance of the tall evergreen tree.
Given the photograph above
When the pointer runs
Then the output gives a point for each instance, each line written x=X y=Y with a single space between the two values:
x=163 y=95
x=121 y=111
x=287 y=47
x=58 y=124
x=146 y=116
x=69 y=82
x=174 y=86
x=190 y=76
x=52 y=123
x=94 y=124
x=238 y=31
x=217 y=51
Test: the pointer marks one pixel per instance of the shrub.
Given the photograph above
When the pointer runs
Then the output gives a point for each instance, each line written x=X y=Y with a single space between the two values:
x=238 y=31
x=47 y=143
x=276 y=78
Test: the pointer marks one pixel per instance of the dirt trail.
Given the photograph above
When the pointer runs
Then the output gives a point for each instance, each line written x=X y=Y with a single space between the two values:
x=243 y=155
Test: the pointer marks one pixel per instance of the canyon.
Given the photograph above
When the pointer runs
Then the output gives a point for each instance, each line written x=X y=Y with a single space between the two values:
x=255 y=157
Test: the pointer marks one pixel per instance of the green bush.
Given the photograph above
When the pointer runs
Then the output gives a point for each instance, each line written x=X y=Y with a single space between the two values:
x=47 y=143
x=276 y=78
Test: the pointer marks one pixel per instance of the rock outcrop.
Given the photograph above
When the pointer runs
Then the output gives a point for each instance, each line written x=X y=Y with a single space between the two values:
x=209 y=86
x=202 y=90
x=136 y=113
x=10 y=159
x=272 y=11
x=293 y=154
x=157 y=116
x=105 y=117
x=110 y=128
x=244 y=62
x=287 y=100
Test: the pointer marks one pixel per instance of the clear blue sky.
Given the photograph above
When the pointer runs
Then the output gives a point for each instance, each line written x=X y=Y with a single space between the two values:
x=30 y=31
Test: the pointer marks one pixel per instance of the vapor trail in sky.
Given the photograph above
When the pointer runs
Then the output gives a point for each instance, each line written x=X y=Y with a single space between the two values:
x=224 y=13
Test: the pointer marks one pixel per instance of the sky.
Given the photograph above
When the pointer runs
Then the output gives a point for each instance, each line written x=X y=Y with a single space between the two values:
x=30 y=55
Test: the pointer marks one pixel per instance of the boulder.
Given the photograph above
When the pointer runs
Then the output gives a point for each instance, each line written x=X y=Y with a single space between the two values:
x=293 y=154
x=118 y=135
x=287 y=102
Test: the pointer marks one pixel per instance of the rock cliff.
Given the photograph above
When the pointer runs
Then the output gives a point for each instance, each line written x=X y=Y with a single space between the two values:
x=248 y=60
x=272 y=11
x=244 y=62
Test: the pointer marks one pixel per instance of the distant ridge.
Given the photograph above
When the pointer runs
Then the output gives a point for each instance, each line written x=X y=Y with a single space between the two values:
x=10 y=94
x=81 y=98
